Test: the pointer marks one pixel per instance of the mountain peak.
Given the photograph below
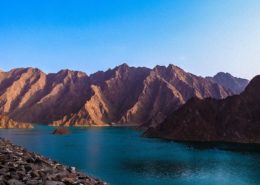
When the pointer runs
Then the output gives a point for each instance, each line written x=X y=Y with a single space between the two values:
x=236 y=85
x=123 y=65
x=68 y=72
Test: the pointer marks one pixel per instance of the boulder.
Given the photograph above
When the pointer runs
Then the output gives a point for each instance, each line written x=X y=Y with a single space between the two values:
x=61 y=131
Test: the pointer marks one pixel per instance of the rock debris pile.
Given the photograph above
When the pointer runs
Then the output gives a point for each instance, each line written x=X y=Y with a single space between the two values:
x=19 y=167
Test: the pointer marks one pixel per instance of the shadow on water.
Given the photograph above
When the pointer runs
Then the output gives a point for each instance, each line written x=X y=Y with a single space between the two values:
x=159 y=168
x=227 y=146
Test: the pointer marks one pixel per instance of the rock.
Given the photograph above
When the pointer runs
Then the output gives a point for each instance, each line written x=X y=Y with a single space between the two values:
x=34 y=174
x=32 y=169
x=54 y=183
x=67 y=180
x=28 y=167
x=61 y=131
x=72 y=169
x=34 y=182
x=15 y=182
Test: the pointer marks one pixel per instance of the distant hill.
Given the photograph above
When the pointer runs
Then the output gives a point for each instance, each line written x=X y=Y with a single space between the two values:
x=234 y=119
x=123 y=95
x=236 y=85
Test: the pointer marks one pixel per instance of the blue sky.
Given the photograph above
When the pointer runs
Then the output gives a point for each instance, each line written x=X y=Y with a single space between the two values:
x=201 y=36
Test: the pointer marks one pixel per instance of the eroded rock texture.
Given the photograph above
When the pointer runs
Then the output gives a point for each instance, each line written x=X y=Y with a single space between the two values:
x=6 y=122
x=20 y=167
x=123 y=95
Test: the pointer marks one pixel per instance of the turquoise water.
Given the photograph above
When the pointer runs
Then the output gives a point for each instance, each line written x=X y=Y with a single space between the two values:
x=121 y=157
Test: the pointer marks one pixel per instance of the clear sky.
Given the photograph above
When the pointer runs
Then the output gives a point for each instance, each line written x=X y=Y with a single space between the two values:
x=201 y=36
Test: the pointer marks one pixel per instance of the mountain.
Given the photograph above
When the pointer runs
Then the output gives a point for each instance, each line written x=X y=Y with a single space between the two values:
x=29 y=95
x=113 y=93
x=234 y=84
x=234 y=119
x=122 y=95
x=140 y=96
x=6 y=122
x=165 y=89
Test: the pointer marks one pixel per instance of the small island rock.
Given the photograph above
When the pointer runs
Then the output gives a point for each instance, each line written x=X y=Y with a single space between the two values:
x=61 y=131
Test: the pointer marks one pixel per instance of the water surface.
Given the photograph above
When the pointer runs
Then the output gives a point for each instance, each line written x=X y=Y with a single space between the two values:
x=121 y=157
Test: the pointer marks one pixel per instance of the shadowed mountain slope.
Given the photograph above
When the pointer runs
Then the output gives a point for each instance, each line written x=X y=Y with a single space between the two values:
x=234 y=119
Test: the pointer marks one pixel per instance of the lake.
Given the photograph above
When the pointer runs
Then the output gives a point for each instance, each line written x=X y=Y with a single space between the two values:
x=121 y=156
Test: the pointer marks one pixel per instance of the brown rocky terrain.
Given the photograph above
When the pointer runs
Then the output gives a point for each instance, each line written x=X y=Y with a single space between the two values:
x=123 y=95
x=6 y=122
x=165 y=89
x=234 y=84
x=20 y=167
x=29 y=95
x=234 y=119
x=113 y=93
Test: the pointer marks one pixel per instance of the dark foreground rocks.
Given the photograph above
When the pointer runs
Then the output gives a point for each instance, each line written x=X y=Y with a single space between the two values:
x=19 y=167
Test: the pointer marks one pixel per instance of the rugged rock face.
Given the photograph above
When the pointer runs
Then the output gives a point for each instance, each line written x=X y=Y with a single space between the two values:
x=165 y=89
x=29 y=95
x=234 y=84
x=61 y=131
x=6 y=122
x=234 y=119
x=20 y=167
x=125 y=95
x=113 y=93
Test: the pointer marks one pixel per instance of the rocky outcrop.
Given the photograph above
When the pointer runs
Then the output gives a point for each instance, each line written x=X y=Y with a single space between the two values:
x=234 y=84
x=123 y=95
x=234 y=119
x=6 y=122
x=20 y=167
x=61 y=131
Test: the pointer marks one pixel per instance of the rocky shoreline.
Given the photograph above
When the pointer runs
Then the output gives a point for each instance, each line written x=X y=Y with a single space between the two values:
x=19 y=167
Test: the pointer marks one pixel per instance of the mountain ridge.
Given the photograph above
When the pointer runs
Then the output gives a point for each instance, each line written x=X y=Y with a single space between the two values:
x=235 y=84
x=123 y=95
x=234 y=119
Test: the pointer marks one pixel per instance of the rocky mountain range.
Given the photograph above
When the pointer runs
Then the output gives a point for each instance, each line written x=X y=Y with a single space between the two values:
x=234 y=84
x=6 y=122
x=123 y=95
x=234 y=119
